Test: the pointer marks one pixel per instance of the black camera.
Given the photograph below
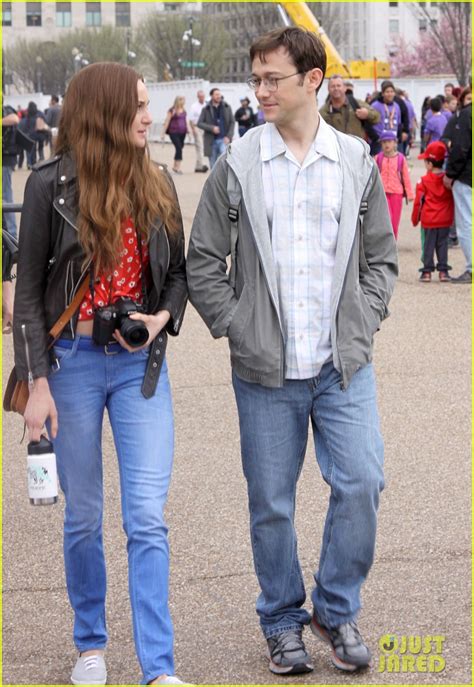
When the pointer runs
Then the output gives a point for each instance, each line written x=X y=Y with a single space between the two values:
x=116 y=316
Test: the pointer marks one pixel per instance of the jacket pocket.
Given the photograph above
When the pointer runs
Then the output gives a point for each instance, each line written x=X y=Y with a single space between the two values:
x=60 y=356
x=241 y=316
x=372 y=320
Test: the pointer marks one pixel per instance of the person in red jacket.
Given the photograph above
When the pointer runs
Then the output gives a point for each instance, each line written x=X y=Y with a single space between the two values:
x=434 y=206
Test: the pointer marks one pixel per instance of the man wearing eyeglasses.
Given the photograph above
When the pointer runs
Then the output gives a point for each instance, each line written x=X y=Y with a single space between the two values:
x=309 y=284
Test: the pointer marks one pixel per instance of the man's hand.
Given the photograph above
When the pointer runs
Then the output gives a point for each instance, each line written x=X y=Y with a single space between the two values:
x=215 y=130
x=226 y=140
x=154 y=324
x=448 y=183
x=39 y=408
x=362 y=113
x=404 y=136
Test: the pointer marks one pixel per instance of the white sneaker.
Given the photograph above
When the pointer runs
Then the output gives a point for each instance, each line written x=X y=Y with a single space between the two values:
x=171 y=680
x=89 y=670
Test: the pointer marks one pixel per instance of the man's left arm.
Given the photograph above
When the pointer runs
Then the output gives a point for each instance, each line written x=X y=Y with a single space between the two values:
x=378 y=247
x=372 y=116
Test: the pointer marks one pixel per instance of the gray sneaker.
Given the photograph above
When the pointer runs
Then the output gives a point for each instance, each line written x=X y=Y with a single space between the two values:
x=287 y=654
x=464 y=278
x=89 y=670
x=348 y=650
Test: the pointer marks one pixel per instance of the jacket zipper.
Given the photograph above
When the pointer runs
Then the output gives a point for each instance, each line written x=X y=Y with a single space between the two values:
x=177 y=319
x=27 y=351
x=282 y=348
x=343 y=384
x=169 y=249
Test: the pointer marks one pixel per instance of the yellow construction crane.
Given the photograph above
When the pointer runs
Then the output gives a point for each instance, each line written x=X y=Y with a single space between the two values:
x=301 y=15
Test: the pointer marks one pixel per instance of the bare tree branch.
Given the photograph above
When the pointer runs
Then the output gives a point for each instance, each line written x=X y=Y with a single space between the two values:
x=452 y=33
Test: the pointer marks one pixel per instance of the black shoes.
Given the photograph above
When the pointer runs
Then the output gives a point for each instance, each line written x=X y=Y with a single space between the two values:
x=204 y=168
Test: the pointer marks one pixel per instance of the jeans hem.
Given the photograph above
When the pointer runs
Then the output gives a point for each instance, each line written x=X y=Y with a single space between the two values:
x=283 y=628
x=333 y=625
x=94 y=647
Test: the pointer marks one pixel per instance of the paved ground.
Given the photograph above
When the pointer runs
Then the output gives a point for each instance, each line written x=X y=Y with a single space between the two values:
x=420 y=582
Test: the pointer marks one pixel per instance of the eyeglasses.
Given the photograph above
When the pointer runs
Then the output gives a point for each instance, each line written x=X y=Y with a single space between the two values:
x=271 y=83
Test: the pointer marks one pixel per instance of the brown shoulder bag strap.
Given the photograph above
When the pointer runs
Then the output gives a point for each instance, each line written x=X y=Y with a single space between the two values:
x=57 y=328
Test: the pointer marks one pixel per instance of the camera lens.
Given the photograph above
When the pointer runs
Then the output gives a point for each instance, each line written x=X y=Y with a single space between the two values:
x=134 y=332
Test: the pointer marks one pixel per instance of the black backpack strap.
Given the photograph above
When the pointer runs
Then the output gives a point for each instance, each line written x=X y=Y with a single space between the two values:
x=364 y=203
x=234 y=193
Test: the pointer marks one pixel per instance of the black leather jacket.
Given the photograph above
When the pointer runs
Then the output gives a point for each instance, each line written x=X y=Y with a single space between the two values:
x=50 y=268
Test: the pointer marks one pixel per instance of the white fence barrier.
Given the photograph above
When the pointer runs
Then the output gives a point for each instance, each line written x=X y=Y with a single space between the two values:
x=162 y=95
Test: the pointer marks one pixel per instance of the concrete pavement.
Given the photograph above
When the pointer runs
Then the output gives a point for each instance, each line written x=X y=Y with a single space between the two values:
x=420 y=582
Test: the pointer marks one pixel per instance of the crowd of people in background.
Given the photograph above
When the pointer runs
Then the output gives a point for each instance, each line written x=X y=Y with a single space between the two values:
x=443 y=202
x=386 y=120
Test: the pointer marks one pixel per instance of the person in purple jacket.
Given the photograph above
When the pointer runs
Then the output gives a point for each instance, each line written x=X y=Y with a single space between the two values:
x=390 y=115
x=436 y=123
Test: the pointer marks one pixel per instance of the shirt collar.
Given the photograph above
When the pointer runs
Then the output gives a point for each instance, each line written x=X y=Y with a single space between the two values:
x=272 y=144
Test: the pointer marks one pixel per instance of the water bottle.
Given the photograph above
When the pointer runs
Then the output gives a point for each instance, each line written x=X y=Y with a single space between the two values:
x=42 y=474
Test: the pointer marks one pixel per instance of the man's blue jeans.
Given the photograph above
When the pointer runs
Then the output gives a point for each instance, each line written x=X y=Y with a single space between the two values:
x=7 y=197
x=218 y=147
x=349 y=449
x=463 y=210
x=87 y=383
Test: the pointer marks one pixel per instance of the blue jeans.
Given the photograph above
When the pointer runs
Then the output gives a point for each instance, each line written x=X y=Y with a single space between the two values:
x=463 y=210
x=87 y=383
x=7 y=197
x=218 y=147
x=349 y=450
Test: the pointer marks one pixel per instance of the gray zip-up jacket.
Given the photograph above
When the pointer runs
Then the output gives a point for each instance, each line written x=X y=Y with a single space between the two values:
x=243 y=304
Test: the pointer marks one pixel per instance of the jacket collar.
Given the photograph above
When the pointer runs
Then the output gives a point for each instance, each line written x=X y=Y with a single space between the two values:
x=67 y=169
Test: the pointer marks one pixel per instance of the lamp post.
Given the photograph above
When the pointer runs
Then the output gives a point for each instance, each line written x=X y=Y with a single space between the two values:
x=130 y=54
x=79 y=60
x=193 y=43
x=39 y=85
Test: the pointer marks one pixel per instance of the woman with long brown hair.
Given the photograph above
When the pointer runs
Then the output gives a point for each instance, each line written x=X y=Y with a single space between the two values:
x=102 y=219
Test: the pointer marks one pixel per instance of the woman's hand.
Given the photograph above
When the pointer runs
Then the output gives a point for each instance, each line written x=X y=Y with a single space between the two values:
x=7 y=307
x=154 y=324
x=40 y=406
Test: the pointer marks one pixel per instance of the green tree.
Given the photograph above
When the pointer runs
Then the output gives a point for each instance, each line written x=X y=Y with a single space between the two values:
x=162 y=50
x=48 y=66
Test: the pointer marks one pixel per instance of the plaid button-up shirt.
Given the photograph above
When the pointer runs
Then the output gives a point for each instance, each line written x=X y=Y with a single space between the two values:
x=303 y=203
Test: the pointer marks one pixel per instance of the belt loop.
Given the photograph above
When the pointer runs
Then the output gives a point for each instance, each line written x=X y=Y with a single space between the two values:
x=106 y=349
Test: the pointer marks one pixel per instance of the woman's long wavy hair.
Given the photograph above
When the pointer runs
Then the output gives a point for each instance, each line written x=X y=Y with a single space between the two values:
x=116 y=179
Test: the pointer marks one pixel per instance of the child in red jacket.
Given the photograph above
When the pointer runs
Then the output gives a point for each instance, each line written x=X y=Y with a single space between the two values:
x=434 y=206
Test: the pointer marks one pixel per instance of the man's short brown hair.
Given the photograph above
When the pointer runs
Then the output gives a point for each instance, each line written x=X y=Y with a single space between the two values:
x=304 y=47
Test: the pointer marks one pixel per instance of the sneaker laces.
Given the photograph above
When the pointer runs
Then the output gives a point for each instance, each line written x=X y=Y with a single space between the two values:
x=347 y=634
x=288 y=642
